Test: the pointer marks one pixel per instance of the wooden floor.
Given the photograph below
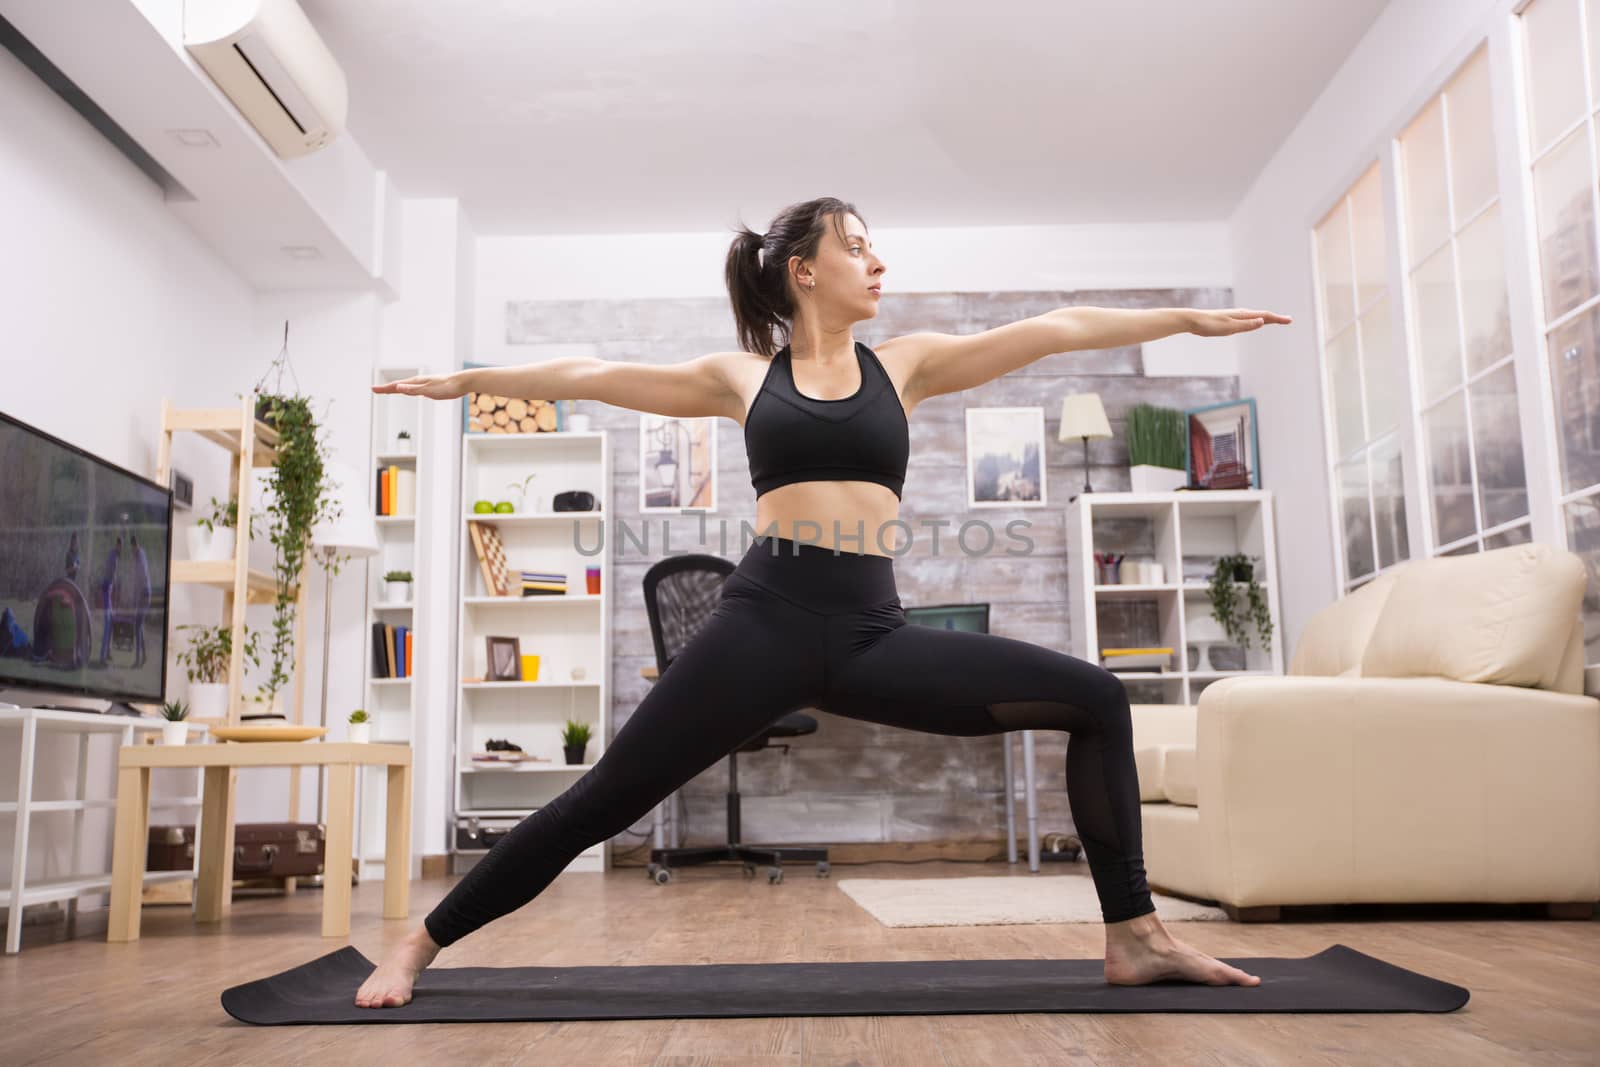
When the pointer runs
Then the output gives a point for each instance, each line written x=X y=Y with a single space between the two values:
x=1535 y=984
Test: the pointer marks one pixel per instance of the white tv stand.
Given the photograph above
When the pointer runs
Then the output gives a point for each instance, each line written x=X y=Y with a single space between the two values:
x=33 y=720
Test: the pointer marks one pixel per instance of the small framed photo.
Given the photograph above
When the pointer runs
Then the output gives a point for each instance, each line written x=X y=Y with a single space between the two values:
x=677 y=464
x=1220 y=446
x=1005 y=458
x=504 y=659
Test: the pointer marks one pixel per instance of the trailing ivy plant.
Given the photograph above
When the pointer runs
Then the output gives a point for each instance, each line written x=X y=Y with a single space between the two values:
x=302 y=497
x=1225 y=600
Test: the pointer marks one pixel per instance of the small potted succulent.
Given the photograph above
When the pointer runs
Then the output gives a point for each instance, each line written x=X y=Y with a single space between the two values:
x=206 y=662
x=402 y=442
x=574 y=739
x=360 y=726
x=174 y=731
x=396 y=587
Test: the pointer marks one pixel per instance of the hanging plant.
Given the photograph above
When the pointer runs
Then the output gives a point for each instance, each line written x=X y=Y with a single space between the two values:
x=1225 y=600
x=302 y=496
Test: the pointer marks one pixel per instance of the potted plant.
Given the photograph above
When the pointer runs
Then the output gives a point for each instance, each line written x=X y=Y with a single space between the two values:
x=302 y=495
x=402 y=442
x=396 y=587
x=521 y=489
x=1225 y=606
x=1155 y=449
x=206 y=660
x=360 y=726
x=574 y=739
x=174 y=731
x=212 y=536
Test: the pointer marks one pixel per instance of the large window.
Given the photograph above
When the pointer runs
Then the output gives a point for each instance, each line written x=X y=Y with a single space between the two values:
x=1561 y=42
x=1362 y=386
x=1459 y=326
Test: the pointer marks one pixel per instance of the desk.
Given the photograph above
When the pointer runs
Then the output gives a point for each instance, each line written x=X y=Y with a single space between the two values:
x=214 y=884
x=1029 y=796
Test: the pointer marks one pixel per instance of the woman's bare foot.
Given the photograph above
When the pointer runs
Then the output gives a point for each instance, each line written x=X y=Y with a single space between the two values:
x=389 y=985
x=1140 y=951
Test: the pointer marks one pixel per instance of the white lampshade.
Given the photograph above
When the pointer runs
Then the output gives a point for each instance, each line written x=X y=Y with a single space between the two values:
x=1083 y=416
x=353 y=533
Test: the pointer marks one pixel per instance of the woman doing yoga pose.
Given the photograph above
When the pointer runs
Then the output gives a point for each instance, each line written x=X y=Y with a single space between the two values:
x=804 y=621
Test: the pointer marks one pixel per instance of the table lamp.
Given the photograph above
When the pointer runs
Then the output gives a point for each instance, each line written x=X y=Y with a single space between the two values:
x=1083 y=416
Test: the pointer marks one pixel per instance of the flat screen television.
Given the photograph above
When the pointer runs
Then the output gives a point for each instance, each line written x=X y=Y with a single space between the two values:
x=973 y=618
x=85 y=554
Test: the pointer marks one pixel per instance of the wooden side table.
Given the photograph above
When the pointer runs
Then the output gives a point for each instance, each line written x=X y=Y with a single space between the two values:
x=214 y=884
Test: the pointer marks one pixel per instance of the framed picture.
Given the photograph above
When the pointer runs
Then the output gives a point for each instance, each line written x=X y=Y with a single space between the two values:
x=1005 y=458
x=677 y=463
x=504 y=659
x=1220 y=447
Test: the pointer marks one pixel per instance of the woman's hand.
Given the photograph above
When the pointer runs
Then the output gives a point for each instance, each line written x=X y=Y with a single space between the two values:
x=432 y=386
x=1210 y=323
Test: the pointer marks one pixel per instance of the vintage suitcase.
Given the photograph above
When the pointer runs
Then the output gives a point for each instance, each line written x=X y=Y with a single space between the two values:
x=171 y=849
x=278 y=849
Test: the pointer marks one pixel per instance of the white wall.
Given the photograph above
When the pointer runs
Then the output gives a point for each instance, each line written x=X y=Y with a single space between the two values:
x=109 y=304
x=1406 y=55
x=917 y=259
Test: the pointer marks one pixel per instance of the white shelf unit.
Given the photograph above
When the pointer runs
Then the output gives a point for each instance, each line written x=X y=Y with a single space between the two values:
x=389 y=702
x=570 y=633
x=1166 y=528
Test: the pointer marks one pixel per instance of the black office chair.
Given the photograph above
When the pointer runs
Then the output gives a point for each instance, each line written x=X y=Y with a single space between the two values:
x=680 y=593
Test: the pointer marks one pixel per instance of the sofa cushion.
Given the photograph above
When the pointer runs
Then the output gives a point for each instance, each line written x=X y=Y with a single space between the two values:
x=1332 y=642
x=1178 y=777
x=1149 y=762
x=1502 y=617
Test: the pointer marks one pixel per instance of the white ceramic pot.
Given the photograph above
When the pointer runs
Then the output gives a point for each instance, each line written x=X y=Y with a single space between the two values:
x=396 y=592
x=174 y=733
x=208 y=700
x=210 y=544
x=1148 y=478
x=258 y=703
x=360 y=732
x=403 y=445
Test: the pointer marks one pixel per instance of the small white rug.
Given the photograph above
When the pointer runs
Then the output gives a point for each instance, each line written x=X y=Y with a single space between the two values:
x=988 y=901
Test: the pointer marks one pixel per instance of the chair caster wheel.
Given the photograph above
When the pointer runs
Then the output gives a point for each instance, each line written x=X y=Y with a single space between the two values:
x=822 y=869
x=774 y=875
x=749 y=870
x=660 y=875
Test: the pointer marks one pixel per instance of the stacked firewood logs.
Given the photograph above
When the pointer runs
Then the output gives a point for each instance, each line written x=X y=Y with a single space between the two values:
x=487 y=413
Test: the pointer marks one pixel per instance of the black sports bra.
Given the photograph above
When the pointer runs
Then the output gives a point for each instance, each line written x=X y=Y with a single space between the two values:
x=791 y=437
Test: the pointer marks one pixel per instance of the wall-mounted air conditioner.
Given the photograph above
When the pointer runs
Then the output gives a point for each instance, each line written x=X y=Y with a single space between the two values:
x=266 y=56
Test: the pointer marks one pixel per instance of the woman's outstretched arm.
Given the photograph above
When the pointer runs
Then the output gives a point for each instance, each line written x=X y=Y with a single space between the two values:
x=939 y=363
x=688 y=389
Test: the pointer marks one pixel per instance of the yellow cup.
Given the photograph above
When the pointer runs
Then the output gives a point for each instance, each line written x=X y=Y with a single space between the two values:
x=530 y=668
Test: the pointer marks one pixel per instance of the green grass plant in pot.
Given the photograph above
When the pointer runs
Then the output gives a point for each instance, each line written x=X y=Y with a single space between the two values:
x=574 y=739
x=1155 y=449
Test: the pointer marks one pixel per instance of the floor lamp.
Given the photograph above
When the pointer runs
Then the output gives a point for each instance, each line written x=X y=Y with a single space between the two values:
x=353 y=534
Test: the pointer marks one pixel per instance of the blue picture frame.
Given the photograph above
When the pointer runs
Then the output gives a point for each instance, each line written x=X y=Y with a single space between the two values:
x=1247 y=408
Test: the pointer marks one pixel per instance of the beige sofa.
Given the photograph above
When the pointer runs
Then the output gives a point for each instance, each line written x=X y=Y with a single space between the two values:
x=1430 y=743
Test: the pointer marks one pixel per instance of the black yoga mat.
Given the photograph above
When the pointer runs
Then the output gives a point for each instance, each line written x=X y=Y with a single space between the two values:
x=1337 y=979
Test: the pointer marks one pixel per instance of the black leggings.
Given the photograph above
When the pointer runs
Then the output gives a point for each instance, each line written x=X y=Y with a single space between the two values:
x=802 y=626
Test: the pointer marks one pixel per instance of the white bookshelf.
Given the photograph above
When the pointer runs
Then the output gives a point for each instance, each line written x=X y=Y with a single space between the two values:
x=1165 y=528
x=389 y=701
x=571 y=632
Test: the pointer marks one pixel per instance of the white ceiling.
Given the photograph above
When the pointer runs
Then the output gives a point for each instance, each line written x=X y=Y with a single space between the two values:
x=607 y=116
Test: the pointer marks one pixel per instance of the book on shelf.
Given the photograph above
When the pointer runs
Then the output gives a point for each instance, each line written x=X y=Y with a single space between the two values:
x=392 y=648
x=1136 y=659
x=539 y=583
x=397 y=491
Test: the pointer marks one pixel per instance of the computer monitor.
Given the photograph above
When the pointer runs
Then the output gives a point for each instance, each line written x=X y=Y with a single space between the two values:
x=973 y=618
